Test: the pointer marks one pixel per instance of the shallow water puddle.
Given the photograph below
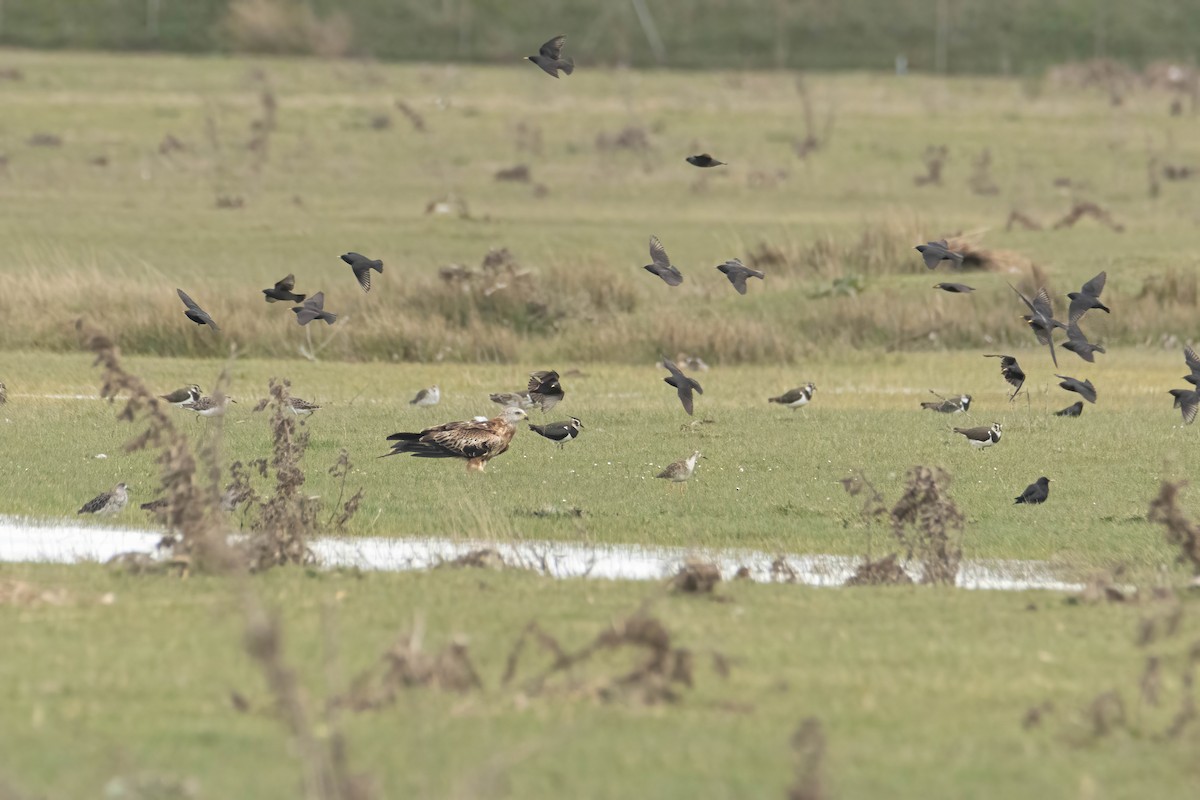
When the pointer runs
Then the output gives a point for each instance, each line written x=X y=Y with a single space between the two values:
x=34 y=541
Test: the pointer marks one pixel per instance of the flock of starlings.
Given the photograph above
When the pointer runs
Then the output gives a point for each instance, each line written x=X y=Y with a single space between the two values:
x=481 y=439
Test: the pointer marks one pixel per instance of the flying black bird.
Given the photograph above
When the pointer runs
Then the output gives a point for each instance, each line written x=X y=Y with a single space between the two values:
x=1188 y=402
x=314 y=308
x=1078 y=344
x=954 y=288
x=704 y=160
x=362 y=266
x=561 y=432
x=1083 y=388
x=935 y=253
x=737 y=272
x=1073 y=410
x=949 y=405
x=550 y=59
x=662 y=266
x=1035 y=493
x=1041 y=319
x=195 y=313
x=1011 y=371
x=544 y=389
x=1087 y=298
x=283 y=291
x=1193 y=365
x=682 y=383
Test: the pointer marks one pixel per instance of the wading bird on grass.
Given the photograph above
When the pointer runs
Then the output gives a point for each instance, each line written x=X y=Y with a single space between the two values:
x=681 y=470
x=107 y=503
x=794 y=398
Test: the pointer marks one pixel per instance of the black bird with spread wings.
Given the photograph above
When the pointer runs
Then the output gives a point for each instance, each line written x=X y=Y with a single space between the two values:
x=662 y=266
x=478 y=442
x=1188 y=400
x=737 y=272
x=1041 y=318
x=704 y=160
x=362 y=266
x=1011 y=371
x=1193 y=365
x=282 y=291
x=1078 y=344
x=195 y=313
x=935 y=253
x=314 y=308
x=550 y=59
x=544 y=389
x=1087 y=298
x=1083 y=388
x=682 y=383
x=954 y=288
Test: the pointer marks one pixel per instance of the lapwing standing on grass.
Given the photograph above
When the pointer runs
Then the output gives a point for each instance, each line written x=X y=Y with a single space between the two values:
x=1087 y=298
x=177 y=398
x=282 y=292
x=195 y=313
x=301 y=408
x=1012 y=372
x=516 y=399
x=684 y=386
x=737 y=272
x=662 y=266
x=1073 y=410
x=984 y=436
x=362 y=266
x=107 y=503
x=1083 y=388
x=935 y=253
x=1078 y=344
x=704 y=160
x=208 y=407
x=954 y=288
x=949 y=405
x=560 y=432
x=550 y=59
x=314 y=308
x=1041 y=318
x=1035 y=493
x=794 y=398
x=544 y=389
x=681 y=470
x=427 y=397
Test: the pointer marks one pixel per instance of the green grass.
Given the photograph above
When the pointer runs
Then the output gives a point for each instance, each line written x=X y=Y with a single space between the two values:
x=920 y=692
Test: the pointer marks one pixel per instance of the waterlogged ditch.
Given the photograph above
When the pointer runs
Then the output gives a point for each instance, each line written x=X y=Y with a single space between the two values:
x=25 y=540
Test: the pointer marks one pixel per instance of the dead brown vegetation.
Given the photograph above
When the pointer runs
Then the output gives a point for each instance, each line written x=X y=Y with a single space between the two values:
x=1088 y=209
x=696 y=577
x=1180 y=531
x=287 y=27
x=808 y=749
x=935 y=158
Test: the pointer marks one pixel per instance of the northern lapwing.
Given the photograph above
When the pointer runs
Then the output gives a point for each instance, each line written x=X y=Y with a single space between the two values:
x=282 y=292
x=794 y=398
x=935 y=253
x=1083 y=388
x=949 y=405
x=107 y=503
x=177 y=398
x=1012 y=372
x=1041 y=318
x=560 y=432
x=681 y=470
x=984 y=436
x=704 y=160
x=195 y=313
x=737 y=273
x=544 y=389
x=954 y=288
x=1078 y=344
x=1087 y=298
x=362 y=266
x=1073 y=410
x=1035 y=493
x=208 y=407
x=314 y=308
x=474 y=441
x=662 y=266
x=427 y=397
x=550 y=59
x=684 y=386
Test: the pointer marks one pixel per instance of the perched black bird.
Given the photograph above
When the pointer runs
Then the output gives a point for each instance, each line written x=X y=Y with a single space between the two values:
x=949 y=405
x=1041 y=318
x=561 y=432
x=550 y=59
x=314 y=308
x=662 y=266
x=195 y=313
x=1087 y=298
x=935 y=253
x=1078 y=344
x=954 y=288
x=682 y=383
x=1073 y=410
x=1035 y=493
x=704 y=160
x=737 y=272
x=362 y=266
x=1083 y=388
x=544 y=389
x=1011 y=371
x=1188 y=402
x=282 y=291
